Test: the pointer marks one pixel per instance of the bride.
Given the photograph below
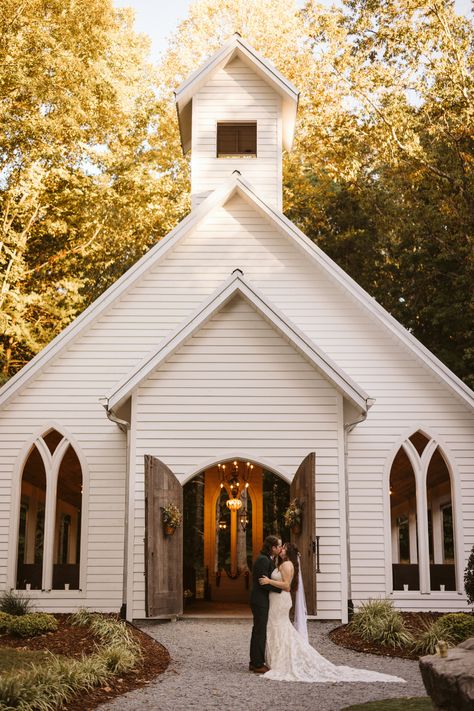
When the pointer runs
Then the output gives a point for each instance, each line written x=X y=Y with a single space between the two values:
x=289 y=654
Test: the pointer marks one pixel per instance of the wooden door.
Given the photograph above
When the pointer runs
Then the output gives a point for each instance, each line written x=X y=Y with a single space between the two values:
x=303 y=488
x=163 y=554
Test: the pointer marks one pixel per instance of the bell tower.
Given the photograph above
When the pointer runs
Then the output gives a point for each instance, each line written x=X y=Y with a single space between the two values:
x=237 y=112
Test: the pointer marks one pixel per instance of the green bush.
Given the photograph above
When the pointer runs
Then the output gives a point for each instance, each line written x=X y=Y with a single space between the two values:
x=14 y=603
x=469 y=578
x=32 y=624
x=452 y=628
x=429 y=637
x=50 y=686
x=378 y=621
x=5 y=620
x=458 y=625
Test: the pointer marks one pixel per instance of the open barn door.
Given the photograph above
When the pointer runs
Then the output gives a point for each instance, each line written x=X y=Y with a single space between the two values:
x=163 y=554
x=303 y=488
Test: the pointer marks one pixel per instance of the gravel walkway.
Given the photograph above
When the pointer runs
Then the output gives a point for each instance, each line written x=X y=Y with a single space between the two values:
x=209 y=670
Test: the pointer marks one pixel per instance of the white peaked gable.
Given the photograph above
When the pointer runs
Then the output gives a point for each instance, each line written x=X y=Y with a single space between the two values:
x=237 y=185
x=236 y=284
x=236 y=47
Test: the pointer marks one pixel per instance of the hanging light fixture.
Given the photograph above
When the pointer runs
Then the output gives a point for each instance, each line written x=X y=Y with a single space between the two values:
x=236 y=484
x=244 y=520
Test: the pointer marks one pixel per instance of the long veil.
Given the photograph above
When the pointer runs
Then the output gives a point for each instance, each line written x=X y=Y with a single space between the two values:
x=300 y=622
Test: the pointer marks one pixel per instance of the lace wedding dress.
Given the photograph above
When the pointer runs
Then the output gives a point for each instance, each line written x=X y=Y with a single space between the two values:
x=291 y=658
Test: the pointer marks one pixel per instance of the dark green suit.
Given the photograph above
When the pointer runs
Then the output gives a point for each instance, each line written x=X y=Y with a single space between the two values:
x=259 y=602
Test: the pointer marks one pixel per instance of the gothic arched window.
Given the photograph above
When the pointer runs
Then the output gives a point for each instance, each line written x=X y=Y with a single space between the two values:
x=49 y=534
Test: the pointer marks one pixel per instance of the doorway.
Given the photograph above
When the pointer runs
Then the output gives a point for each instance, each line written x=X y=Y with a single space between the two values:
x=228 y=509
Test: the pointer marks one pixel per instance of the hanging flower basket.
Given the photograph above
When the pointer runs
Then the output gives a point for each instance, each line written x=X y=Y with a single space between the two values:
x=294 y=515
x=171 y=518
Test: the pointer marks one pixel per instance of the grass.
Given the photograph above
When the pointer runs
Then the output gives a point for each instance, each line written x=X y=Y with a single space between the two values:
x=419 y=703
x=48 y=686
x=18 y=659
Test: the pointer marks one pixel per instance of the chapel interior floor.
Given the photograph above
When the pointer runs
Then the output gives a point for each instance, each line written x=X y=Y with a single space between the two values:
x=218 y=610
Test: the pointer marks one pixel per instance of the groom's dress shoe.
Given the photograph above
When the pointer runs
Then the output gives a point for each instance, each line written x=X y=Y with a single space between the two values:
x=260 y=670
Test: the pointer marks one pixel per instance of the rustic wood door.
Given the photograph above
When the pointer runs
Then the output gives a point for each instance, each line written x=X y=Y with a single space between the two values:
x=303 y=488
x=163 y=554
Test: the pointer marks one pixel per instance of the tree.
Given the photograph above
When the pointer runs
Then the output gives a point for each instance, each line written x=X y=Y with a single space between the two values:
x=380 y=176
x=81 y=186
x=406 y=69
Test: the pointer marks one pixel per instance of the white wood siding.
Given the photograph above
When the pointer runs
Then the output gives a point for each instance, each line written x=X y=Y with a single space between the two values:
x=236 y=93
x=238 y=387
x=74 y=409
x=237 y=236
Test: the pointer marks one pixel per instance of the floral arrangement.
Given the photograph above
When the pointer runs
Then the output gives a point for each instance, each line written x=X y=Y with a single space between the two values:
x=171 y=516
x=293 y=514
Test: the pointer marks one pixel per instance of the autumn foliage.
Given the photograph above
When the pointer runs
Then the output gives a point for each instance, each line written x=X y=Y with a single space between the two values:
x=381 y=175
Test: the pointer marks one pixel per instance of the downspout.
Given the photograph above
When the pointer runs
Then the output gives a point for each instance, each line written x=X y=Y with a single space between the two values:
x=347 y=430
x=123 y=424
x=125 y=427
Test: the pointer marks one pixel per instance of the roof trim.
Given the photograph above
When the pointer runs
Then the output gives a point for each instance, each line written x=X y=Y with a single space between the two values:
x=460 y=388
x=237 y=285
x=237 y=184
x=114 y=291
x=236 y=46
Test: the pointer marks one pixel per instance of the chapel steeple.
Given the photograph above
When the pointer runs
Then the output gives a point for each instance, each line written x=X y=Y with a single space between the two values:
x=237 y=112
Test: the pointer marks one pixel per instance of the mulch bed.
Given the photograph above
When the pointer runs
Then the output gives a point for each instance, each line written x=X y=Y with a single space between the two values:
x=415 y=621
x=71 y=641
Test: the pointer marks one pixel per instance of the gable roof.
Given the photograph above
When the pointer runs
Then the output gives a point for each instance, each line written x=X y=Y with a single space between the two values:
x=237 y=285
x=236 y=184
x=236 y=47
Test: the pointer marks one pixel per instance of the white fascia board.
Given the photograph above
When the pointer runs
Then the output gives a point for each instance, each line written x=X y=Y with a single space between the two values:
x=410 y=342
x=81 y=322
x=237 y=46
x=234 y=285
x=223 y=56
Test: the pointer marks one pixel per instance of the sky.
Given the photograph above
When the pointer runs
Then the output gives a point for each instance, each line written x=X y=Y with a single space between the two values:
x=158 y=19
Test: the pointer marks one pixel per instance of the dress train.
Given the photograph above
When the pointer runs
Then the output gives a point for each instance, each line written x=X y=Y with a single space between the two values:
x=291 y=658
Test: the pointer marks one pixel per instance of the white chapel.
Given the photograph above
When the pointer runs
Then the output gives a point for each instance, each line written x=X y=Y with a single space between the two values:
x=232 y=370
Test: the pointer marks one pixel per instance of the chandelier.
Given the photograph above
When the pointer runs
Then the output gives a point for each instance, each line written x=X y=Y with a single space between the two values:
x=236 y=481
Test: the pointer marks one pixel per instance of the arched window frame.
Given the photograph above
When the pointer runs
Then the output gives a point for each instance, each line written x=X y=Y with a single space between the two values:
x=420 y=470
x=52 y=464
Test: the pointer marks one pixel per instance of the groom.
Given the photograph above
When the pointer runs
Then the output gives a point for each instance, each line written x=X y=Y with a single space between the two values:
x=263 y=565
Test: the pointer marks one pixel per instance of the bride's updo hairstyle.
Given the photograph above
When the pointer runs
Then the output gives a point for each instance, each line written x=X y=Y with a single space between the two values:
x=292 y=553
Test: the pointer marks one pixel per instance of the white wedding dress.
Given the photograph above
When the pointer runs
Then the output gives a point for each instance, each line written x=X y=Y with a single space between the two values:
x=291 y=658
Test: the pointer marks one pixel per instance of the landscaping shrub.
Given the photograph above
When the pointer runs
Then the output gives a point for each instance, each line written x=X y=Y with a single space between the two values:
x=14 y=603
x=5 y=620
x=32 y=624
x=452 y=628
x=469 y=578
x=458 y=625
x=429 y=638
x=49 y=686
x=378 y=621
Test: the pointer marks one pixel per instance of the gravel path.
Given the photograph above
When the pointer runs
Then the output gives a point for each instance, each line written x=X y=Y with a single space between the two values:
x=209 y=670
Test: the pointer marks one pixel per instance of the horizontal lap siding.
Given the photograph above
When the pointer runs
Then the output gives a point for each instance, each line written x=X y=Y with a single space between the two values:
x=193 y=409
x=103 y=447
x=237 y=236
x=236 y=93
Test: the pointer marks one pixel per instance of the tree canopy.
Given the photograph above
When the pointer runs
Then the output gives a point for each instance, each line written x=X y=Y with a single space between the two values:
x=381 y=174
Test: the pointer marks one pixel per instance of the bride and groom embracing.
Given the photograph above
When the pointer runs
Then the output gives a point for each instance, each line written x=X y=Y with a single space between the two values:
x=280 y=650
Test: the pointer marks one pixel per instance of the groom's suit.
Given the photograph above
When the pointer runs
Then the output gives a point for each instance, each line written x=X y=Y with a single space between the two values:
x=259 y=602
